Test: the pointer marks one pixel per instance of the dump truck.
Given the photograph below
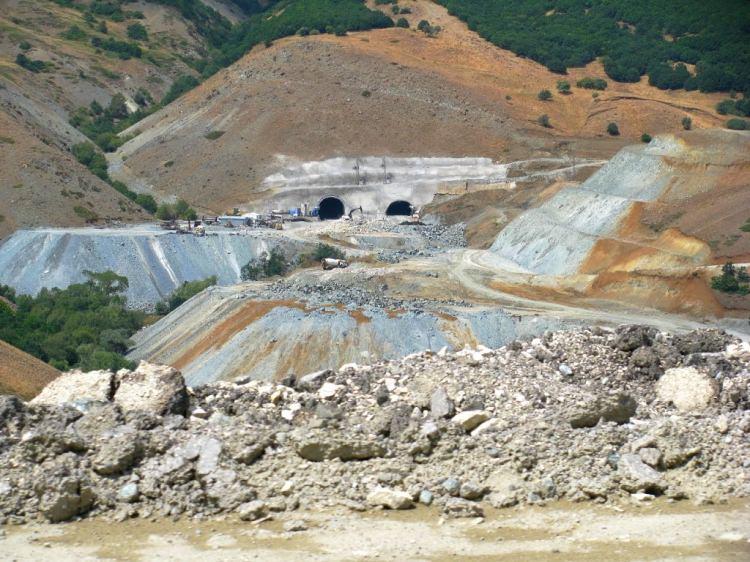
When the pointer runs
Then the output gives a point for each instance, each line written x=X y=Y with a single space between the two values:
x=333 y=263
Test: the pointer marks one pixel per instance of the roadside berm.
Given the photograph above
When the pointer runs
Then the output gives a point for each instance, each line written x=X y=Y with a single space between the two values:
x=601 y=415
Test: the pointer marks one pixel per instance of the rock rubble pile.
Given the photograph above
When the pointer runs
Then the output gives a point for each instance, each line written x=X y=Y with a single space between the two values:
x=596 y=414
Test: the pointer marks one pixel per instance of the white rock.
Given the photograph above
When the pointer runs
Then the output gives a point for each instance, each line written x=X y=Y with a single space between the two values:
x=470 y=419
x=155 y=388
x=329 y=390
x=77 y=385
x=391 y=499
x=312 y=381
x=738 y=350
x=687 y=388
x=485 y=427
x=200 y=413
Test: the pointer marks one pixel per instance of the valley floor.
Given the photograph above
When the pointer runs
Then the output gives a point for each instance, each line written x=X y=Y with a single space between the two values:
x=560 y=531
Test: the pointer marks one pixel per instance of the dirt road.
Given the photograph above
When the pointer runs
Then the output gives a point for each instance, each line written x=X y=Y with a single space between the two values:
x=654 y=532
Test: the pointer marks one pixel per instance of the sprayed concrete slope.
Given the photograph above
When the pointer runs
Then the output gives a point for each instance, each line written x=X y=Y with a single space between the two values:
x=154 y=261
x=222 y=334
x=373 y=183
x=557 y=237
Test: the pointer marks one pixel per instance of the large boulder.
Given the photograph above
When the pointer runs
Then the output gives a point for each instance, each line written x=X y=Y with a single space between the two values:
x=618 y=408
x=69 y=497
x=632 y=336
x=319 y=446
x=441 y=406
x=637 y=476
x=77 y=386
x=689 y=389
x=116 y=455
x=153 y=388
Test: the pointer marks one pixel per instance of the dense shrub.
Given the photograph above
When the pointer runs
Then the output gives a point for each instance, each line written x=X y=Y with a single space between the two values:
x=137 y=32
x=86 y=325
x=268 y=265
x=275 y=23
x=735 y=107
x=687 y=123
x=544 y=95
x=123 y=49
x=613 y=129
x=32 y=65
x=592 y=83
x=543 y=120
x=645 y=137
x=182 y=84
x=738 y=124
x=563 y=86
x=180 y=210
x=87 y=154
x=74 y=33
x=183 y=293
x=732 y=280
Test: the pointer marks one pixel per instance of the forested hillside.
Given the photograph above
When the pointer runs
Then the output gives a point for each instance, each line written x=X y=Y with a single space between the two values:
x=290 y=17
x=634 y=37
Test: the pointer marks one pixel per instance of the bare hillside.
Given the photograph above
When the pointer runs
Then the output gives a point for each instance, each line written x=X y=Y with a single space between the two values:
x=44 y=185
x=22 y=374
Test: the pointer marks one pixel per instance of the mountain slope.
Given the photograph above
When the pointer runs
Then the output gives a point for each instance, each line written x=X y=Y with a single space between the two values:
x=71 y=72
x=393 y=92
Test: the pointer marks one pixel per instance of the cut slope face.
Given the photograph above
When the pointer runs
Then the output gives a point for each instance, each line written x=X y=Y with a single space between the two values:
x=21 y=374
x=226 y=333
x=155 y=262
x=670 y=176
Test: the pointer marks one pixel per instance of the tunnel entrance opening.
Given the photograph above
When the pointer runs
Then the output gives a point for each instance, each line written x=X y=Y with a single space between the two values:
x=399 y=208
x=330 y=208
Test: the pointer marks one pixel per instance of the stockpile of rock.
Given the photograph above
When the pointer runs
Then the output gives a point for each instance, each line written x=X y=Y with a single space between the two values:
x=599 y=415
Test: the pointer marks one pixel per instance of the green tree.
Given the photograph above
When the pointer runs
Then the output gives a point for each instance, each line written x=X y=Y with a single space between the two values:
x=563 y=86
x=402 y=22
x=543 y=120
x=645 y=137
x=687 y=123
x=613 y=129
x=544 y=95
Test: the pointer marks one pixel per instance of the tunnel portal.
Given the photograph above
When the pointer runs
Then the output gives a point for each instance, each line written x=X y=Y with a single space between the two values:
x=330 y=208
x=399 y=208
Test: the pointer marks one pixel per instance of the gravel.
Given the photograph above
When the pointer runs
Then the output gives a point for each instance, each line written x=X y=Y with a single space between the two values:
x=260 y=448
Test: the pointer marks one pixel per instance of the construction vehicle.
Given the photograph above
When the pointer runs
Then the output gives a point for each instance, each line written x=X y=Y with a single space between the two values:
x=333 y=263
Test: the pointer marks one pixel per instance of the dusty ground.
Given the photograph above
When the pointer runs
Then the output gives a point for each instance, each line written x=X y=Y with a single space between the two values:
x=558 y=532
